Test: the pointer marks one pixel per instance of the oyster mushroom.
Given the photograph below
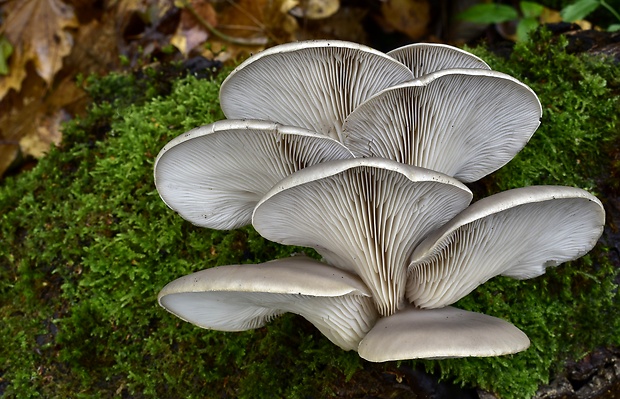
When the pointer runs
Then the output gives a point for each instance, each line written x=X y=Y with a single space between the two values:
x=517 y=233
x=465 y=123
x=424 y=58
x=440 y=333
x=245 y=297
x=313 y=84
x=214 y=175
x=362 y=215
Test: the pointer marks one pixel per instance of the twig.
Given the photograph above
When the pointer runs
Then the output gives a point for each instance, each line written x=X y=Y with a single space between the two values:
x=255 y=41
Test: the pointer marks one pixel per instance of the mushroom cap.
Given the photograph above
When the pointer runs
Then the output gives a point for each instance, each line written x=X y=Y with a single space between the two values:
x=440 y=333
x=312 y=84
x=244 y=297
x=363 y=215
x=517 y=233
x=214 y=175
x=424 y=58
x=465 y=123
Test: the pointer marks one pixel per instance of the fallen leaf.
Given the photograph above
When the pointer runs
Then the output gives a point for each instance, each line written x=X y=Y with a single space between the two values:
x=37 y=30
x=149 y=11
x=410 y=17
x=346 y=24
x=315 y=9
x=254 y=20
x=47 y=133
x=191 y=32
x=8 y=152
x=32 y=113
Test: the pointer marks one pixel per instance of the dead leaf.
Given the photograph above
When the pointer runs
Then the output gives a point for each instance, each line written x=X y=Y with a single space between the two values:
x=258 y=18
x=8 y=153
x=190 y=32
x=37 y=30
x=96 y=48
x=410 y=17
x=248 y=26
x=149 y=11
x=32 y=113
x=315 y=9
x=38 y=142
x=346 y=24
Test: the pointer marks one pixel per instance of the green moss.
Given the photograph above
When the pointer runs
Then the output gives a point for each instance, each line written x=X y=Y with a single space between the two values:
x=87 y=244
x=579 y=97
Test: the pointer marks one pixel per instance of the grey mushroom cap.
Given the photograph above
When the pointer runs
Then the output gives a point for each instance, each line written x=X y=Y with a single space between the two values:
x=312 y=84
x=363 y=215
x=517 y=233
x=424 y=58
x=244 y=297
x=465 y=123
x=214 y=175
x=440 y=333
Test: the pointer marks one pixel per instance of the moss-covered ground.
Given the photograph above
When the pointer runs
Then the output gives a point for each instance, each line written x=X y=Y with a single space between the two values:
x=86 y=244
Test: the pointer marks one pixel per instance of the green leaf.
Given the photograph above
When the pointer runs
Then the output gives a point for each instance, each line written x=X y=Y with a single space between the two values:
x=525 y=27
x=489 y=13
x=6 y=49
x=579 y=10
x=531 y=9
x=613 y=28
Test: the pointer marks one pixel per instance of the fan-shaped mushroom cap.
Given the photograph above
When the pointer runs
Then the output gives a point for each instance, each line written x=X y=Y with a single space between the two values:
x=465 y=123
x=424 y=58
x=440 y=333
x=362 y=215
x=214 y=175
x=243 y=297
x=517 y=233
x=312 y=84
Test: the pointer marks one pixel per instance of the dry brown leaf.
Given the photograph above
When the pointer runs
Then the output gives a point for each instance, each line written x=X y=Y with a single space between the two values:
x=315 y=9
x=37 y=29
x=252 y=24
x=258 y=18
x=32 y=112
x=410 y=17
x=150 y=11
x=346 y=24
x=47 y=133
x=96 y=48
x=190 y=32
x=8 y=153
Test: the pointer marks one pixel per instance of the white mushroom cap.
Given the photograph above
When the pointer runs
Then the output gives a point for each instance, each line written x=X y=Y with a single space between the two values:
x=244 y=297
x=424 y=58
x=362 y=215
x=440 y=333
x=465 y=123
x=517 y=233
x=312 y=84
x=214 y=175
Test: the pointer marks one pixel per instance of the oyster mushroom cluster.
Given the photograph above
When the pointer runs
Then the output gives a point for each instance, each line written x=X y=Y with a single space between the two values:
x=363 y=156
